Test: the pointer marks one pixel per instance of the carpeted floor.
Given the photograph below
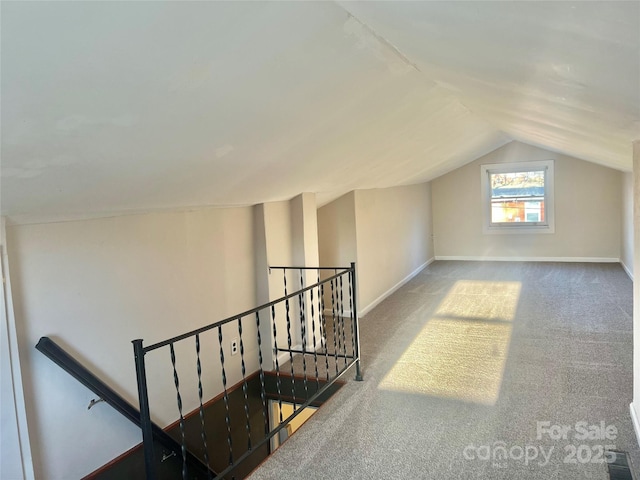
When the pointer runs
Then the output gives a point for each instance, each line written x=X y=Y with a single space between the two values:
x=483 y=370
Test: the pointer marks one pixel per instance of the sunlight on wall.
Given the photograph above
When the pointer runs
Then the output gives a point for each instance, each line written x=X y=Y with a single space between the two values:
x=295 y=424
x=461 y=351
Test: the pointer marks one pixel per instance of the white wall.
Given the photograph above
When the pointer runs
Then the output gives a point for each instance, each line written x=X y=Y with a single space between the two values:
x=635 y=405
x=286 y=234
x=626 y=236
x=337 y=244
x=337 y=232
x=587 y=205
x=95 y=285
x=394 y=241
x=386 y=231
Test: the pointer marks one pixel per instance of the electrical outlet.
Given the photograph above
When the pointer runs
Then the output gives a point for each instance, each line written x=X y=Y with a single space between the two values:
x=234 y=346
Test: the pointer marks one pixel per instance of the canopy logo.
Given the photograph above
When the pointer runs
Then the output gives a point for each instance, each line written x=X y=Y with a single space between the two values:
x=596 y=451
x=499 y=454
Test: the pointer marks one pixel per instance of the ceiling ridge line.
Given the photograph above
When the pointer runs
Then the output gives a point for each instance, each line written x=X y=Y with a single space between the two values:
x=381 y=39
x=387 y=43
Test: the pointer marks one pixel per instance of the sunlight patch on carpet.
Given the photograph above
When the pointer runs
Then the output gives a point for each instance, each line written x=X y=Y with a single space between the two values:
x=461 y=351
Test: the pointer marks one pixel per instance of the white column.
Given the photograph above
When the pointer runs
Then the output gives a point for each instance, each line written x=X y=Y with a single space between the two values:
x=15 y=449
x=635 y=405
x=304 y=230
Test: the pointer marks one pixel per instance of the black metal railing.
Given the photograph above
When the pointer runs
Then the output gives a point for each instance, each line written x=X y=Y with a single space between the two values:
x=322 y=343
x=107 y=394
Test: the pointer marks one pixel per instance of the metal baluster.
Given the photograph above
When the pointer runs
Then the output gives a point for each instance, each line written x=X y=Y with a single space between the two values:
x=293 y=382
x=352 y=310
x=321 y=326
x=176 y=381
x=227 y=418
x=344 y=346
x=303 y=324
x=313 y=330
x=263 y=394
x=203 y=433
x=324 y=326
x=145 y=418
x=356 y=335
x=333 y=320
x=275 y=349
x=244 y=385
x=339 y=313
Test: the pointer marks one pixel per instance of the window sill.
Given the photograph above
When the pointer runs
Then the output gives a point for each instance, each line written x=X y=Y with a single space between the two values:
x=529 y=230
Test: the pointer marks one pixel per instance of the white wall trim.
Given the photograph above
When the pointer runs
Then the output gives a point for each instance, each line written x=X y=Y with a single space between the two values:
x=283 y=357
x=626 y=269
x=329 y=312
x=529 y=259
x=634 y=420
x=7 y=316
x=372 y=305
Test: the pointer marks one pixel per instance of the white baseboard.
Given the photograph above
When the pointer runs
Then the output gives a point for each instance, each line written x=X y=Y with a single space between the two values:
x=626 y=269
x=634 y=420
x=283 y=357
x=329 y=312
x=530 y=259
x=372 y=305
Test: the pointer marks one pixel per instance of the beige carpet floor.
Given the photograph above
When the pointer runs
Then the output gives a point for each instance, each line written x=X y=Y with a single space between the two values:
x=484 y=370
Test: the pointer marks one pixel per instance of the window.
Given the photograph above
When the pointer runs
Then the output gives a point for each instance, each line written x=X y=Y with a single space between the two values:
x=518 y=197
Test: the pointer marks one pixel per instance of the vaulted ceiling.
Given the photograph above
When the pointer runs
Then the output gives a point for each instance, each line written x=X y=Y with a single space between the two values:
x=112 y=107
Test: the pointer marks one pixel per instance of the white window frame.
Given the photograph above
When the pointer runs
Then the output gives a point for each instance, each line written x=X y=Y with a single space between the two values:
x=518 y=227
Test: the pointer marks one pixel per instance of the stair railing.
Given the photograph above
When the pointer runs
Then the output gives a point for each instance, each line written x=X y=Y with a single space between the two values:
x=327 y=338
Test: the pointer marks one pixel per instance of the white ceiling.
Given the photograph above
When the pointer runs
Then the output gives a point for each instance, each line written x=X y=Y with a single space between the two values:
x=112 y=107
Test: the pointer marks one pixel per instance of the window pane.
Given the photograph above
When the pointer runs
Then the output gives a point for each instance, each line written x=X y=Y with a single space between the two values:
x=517 y=197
